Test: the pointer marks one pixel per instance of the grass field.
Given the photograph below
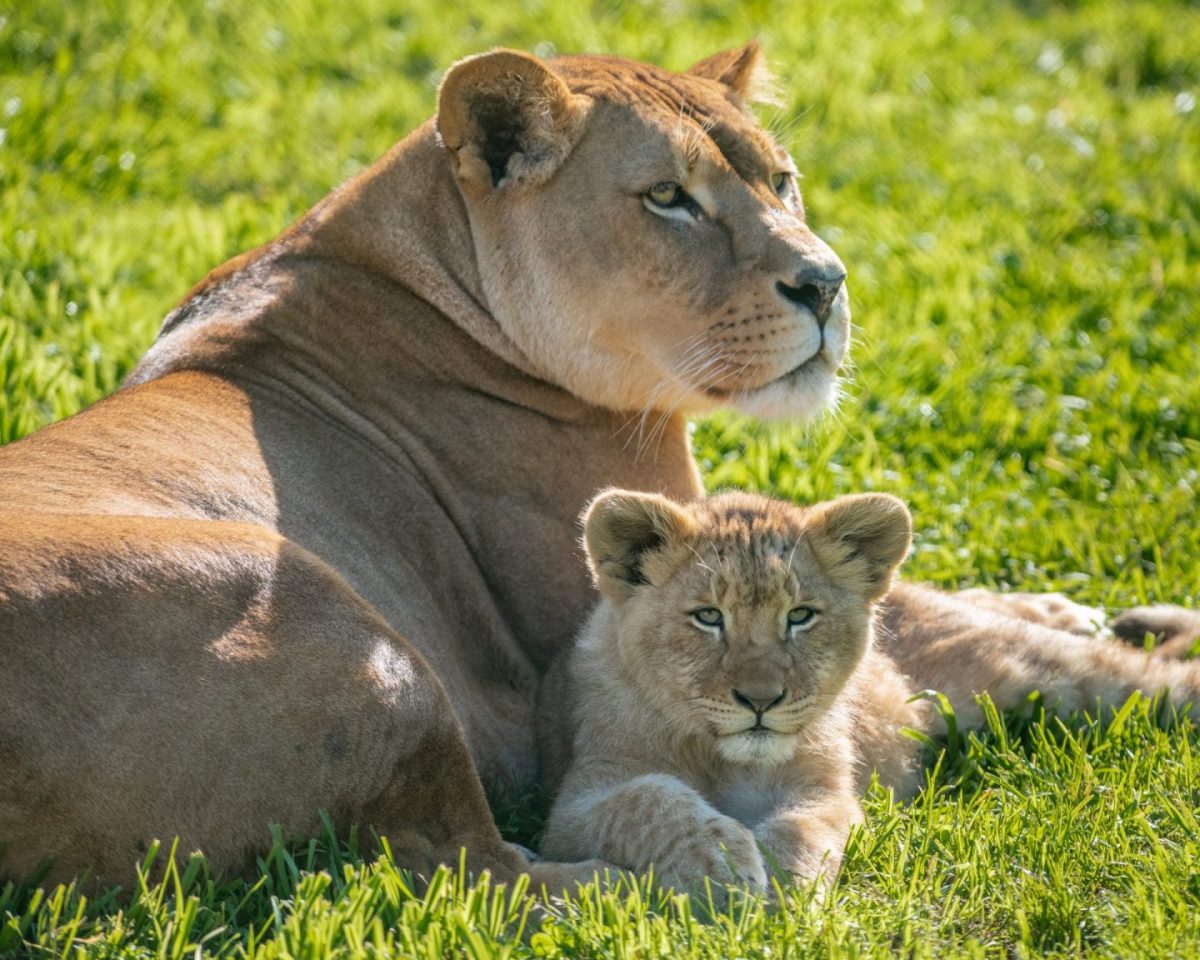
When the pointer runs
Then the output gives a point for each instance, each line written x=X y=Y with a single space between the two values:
x=1015 y=188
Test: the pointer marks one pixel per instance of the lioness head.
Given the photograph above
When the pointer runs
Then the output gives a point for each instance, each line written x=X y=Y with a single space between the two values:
x=639 y=237
x=738 y=618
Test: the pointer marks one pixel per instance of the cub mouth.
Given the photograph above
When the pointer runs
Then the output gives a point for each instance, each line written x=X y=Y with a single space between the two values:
x=758 y=730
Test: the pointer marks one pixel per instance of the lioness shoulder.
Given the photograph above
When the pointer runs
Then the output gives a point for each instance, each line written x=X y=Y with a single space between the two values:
x=714 y=695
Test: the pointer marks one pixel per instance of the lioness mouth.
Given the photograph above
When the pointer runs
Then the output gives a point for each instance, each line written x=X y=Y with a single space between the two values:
x=801 y=367
x=798 y=370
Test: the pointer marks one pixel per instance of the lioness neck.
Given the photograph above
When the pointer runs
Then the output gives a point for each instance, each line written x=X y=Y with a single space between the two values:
x=361 y=340
x=387 y=255
x=377 y=286
x=404 y=220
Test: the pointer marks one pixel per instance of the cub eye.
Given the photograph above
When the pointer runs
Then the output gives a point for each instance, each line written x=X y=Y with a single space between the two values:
x=801 y=617
x=780 y=183
x=666 y=193
x=708 y=617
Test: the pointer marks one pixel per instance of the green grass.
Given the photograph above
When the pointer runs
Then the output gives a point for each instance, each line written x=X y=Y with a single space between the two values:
x=1014 y=187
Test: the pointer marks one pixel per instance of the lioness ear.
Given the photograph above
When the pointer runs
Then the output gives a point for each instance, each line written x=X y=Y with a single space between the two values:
x=743 y=70
x=506 y=119
x=620 y=527
x=866 y=535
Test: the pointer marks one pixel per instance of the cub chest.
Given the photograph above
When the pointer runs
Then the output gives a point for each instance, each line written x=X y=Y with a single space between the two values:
x=750 y=795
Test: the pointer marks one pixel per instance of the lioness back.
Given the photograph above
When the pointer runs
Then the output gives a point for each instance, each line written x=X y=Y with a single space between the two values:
x=715 y=696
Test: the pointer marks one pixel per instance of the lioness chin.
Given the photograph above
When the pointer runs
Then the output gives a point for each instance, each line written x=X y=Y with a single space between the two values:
x=318 y=552
x=711 y=699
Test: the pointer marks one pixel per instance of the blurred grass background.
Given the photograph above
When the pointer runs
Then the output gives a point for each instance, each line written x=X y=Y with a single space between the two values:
x=1014 y=186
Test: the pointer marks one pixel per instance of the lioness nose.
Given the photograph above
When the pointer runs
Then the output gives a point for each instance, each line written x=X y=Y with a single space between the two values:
x=760 y=701
x=816 y=286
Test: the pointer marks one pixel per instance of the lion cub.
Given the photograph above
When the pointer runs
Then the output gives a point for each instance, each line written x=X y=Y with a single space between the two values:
x=712 y=699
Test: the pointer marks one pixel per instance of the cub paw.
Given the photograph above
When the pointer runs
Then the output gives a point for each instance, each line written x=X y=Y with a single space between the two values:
x=558 y=878
x=721 y=850
x=1174 y=629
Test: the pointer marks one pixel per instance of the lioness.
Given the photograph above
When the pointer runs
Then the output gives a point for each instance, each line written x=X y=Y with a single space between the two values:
x=712 y=697
x=319 y=550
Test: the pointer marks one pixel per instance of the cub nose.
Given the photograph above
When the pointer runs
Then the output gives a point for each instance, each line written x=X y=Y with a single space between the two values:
x=815 y=287
x=760 y=700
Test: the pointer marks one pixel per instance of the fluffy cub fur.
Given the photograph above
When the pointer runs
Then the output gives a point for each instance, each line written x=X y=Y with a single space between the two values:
x=712 y=697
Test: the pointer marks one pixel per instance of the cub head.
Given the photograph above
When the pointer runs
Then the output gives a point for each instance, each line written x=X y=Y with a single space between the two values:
x=639 y=237
x=739 y=619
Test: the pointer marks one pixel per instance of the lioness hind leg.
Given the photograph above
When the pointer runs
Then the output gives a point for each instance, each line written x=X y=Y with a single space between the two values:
x=1175 y=630
x=944 y=643
x=434 y=807
x=1054 y=610
x=205 y=680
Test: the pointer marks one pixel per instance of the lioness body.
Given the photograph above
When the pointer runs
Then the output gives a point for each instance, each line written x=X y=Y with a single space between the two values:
x=414 y=506
x=319 y=550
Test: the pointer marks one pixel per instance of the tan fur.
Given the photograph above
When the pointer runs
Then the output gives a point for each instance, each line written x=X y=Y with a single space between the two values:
x=658 y=704
x=319 y=551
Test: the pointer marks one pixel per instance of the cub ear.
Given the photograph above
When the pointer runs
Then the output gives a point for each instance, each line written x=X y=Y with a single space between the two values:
x=866 y=535
x=506 y=119
x=620 y=527
x=743 y=70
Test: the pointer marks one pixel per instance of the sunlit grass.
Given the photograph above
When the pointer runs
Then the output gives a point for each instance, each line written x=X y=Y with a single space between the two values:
x=1015 y=190
x=1035 y=837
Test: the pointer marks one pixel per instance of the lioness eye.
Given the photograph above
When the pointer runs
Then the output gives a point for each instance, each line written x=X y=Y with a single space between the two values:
x=666 y=193
x=779 y=183
x=801 y=616
x=708 y=617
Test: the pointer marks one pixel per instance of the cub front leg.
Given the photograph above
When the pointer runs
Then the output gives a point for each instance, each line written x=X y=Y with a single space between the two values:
x=655 y=821
x=806 y=841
